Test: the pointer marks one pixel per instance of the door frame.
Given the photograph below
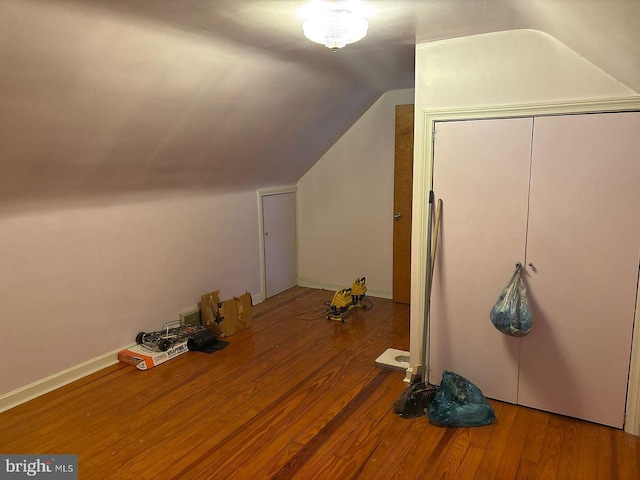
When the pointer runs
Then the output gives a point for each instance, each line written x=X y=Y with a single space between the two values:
x=261 y=193
x=423 y=182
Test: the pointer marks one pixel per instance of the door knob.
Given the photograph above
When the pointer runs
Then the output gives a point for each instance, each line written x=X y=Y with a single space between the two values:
x=397 y=216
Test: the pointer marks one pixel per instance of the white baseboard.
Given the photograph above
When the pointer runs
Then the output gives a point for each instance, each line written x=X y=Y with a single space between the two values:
x=257 y=298
x=306 y=282
x=57 y=380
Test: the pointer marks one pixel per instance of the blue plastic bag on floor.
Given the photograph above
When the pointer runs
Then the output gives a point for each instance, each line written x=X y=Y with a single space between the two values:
x=459 y=403
x=511 y=314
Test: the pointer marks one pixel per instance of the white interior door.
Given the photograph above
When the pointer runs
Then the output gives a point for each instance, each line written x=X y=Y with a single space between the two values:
x=280 y=247
x=584 y=243
x=481 y=172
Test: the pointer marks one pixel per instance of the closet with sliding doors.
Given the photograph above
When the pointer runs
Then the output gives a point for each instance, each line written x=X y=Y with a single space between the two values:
x=561 y=195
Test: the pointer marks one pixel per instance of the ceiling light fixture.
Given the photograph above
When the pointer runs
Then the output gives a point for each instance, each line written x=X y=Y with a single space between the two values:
x=335 y=23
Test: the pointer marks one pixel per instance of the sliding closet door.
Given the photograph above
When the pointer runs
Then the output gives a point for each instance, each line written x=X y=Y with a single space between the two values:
x=481 y=172
x=583 y=242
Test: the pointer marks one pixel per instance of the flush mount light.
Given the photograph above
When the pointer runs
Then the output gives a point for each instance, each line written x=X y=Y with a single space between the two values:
x=335 y=23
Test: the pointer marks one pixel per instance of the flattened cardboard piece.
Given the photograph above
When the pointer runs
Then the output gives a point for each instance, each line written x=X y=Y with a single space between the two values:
x=227 y=317
x=211 y=315
x=144 y=358
x=229 y=313
x=244 y=312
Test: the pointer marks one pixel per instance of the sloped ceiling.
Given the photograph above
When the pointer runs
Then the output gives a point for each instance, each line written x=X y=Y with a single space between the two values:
x=116 y=96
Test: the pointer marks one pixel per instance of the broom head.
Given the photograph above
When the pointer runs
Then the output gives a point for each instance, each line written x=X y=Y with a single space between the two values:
x=415 y=400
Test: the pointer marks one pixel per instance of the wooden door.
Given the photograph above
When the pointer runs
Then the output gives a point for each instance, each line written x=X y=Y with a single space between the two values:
x=280 y=248
x=583 y=243
x=402 y=196
x=481 y=172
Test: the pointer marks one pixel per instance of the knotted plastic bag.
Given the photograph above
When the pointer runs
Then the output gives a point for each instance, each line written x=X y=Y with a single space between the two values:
x=511 y=314
x=459 y=403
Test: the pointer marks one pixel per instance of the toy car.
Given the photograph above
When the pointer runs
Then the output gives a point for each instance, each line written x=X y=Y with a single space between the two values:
x=164 y=339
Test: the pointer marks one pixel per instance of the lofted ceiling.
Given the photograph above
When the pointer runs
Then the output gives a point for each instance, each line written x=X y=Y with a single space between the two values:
x=103 y=97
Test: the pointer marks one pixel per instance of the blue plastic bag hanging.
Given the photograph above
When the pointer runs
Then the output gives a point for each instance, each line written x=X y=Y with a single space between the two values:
x=511 y=314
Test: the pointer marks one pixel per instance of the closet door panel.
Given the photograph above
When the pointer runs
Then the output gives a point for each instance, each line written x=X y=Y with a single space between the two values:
x=583 y=242
x=481 y=172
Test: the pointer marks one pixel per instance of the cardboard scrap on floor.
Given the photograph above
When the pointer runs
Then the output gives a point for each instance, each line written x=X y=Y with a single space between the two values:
x=226 y=317
x=144 y=358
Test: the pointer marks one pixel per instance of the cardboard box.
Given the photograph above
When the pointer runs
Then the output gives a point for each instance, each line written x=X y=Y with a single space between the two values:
x=144 y=358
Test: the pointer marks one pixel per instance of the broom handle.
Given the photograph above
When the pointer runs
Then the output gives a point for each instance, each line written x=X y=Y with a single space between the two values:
x=431 y=261
x=435 y=243
x=425 y=327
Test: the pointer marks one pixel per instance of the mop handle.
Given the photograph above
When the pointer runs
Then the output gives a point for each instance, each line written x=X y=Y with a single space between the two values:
x=435 y=244
x=427 y=291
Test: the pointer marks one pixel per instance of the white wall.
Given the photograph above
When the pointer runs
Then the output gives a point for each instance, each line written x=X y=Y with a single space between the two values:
x=345 y=205
x=490 y=70
x=504 y=68
x=78 y=282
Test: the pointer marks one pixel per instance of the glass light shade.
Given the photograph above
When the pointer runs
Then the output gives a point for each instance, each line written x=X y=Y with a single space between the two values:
x=335 y=28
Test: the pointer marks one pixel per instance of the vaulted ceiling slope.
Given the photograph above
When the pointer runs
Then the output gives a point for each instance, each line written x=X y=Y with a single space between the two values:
x=113 y=96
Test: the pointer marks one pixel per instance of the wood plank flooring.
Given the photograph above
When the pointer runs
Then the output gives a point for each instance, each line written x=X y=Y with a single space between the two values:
x=298 y=397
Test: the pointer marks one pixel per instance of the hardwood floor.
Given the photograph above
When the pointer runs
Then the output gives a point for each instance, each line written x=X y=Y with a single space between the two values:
x=297 y=398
